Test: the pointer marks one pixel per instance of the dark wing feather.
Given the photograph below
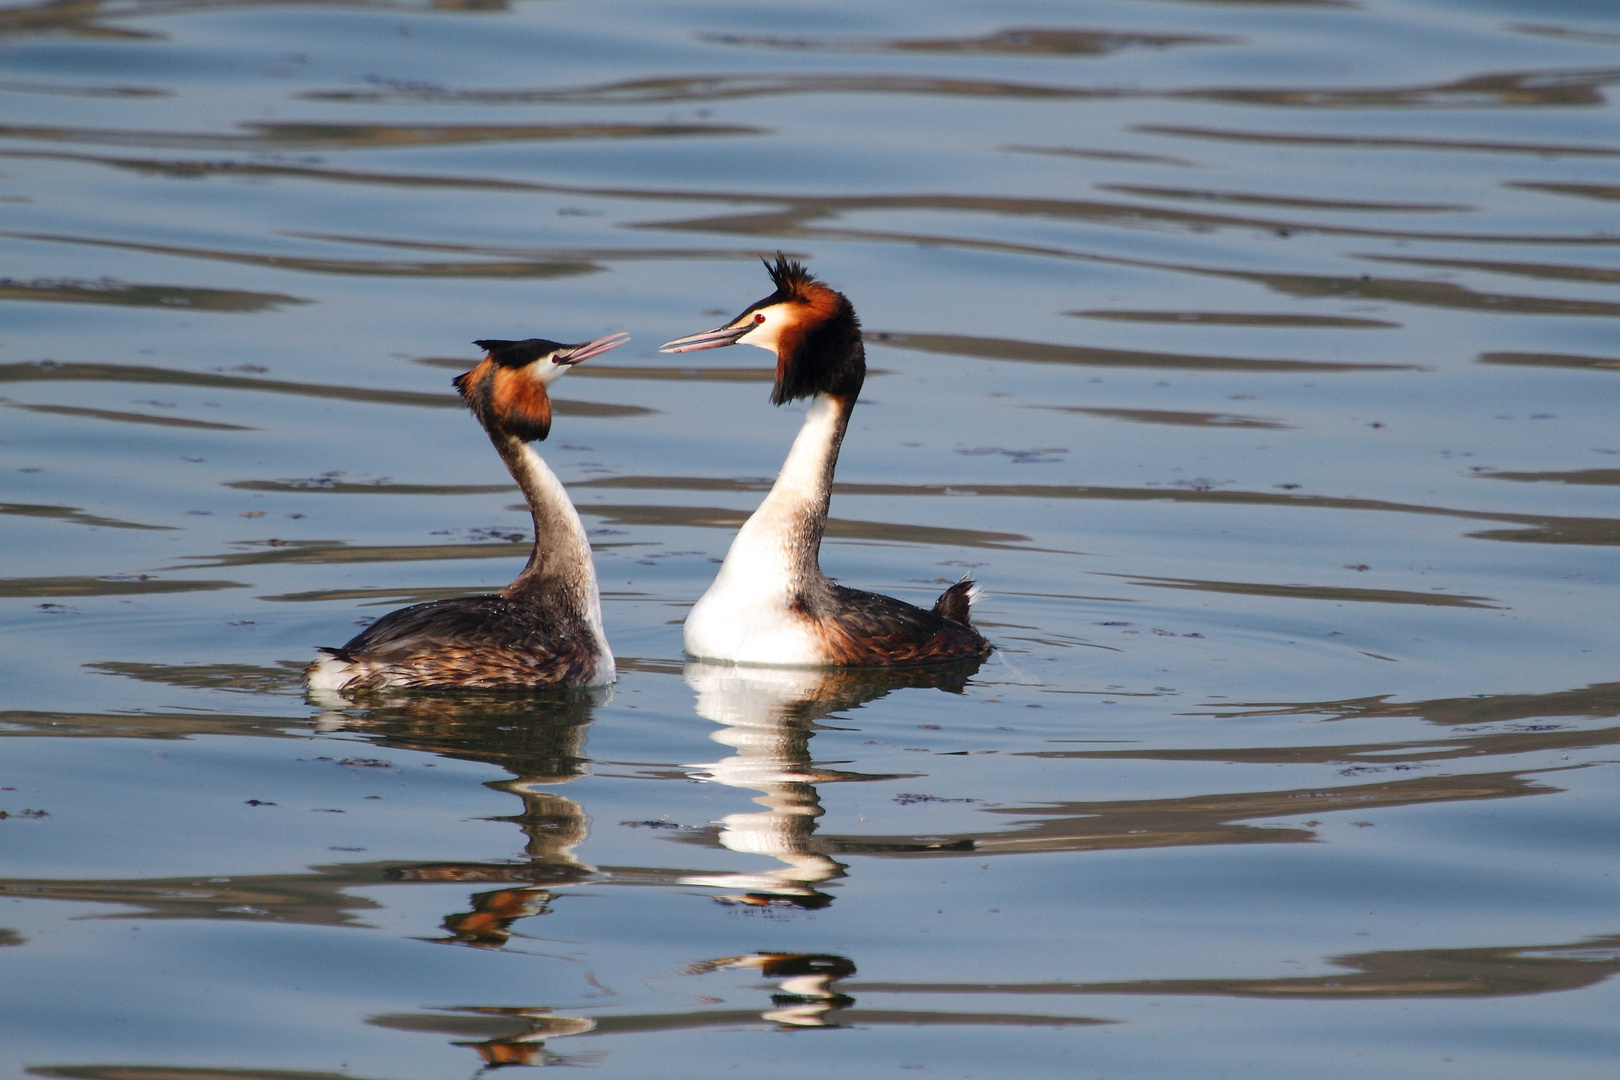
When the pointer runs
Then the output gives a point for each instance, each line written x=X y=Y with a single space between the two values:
x=870 y=630
x=478 y=641
x=458 y=621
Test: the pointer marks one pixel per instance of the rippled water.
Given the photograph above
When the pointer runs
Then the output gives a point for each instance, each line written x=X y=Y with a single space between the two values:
x=1259 y=359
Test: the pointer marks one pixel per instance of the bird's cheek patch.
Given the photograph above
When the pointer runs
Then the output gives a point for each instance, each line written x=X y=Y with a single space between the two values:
x=521 y=404
x=788 y=340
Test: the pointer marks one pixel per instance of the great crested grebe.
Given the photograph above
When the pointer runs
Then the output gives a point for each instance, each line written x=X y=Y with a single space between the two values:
x=544 y=629
x=770 y=603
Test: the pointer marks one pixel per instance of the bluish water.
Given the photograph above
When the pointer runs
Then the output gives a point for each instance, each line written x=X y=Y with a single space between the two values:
x=1258 y=358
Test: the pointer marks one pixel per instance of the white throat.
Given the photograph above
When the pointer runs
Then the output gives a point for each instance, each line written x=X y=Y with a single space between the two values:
x=747 y=613
x=561 y=545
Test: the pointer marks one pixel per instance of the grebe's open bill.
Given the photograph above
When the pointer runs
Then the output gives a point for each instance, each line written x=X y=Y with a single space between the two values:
x=591 y=348
x=708 y=339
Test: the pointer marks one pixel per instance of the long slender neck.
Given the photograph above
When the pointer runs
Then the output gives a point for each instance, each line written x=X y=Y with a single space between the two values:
x=783 y=538
x=561 y=559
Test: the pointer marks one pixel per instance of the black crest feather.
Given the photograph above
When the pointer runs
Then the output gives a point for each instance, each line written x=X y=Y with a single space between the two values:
x=518 y=353
x=827 y=357
x=790 y=278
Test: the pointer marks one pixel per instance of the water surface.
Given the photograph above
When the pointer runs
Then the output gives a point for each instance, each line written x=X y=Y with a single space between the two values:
x=1259 y=359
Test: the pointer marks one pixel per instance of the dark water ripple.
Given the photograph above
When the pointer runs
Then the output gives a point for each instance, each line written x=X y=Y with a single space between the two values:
x=1018 y=41
x=1036 y=352
x=71 y=513
x=1427 y=973
x=53 y=372
x=1382 y=142
x=1514 y=89
x=133 y=295
x=290 y=136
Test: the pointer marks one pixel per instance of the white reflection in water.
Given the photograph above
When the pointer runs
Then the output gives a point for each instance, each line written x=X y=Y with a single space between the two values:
x=762 y=710
x=807 y=994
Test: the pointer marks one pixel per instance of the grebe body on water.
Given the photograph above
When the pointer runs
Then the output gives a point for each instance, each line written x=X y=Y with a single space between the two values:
x=771 y=603
x=544 y=629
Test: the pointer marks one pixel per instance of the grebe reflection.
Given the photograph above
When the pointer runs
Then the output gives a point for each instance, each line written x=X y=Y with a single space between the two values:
x=768 y=716
x=538 y=739
x=527 y=1047
x=807 y=994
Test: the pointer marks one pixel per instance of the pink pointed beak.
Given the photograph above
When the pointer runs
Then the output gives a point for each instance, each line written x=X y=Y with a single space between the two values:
x=708 y=339
x=578 y=353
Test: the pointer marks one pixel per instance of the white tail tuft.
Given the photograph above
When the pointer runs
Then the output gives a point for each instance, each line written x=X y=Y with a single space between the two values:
x=975 y=590
x=329 y=673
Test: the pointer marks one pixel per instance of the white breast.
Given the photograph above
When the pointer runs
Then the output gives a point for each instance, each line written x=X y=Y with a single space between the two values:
x=742 y=619
x=747 y=613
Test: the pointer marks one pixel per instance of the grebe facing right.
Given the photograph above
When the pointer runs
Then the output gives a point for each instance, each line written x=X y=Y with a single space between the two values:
x=544 y=629
x=770 y=603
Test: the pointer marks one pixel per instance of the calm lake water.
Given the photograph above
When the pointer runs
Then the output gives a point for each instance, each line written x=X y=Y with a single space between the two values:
x=1259 y=359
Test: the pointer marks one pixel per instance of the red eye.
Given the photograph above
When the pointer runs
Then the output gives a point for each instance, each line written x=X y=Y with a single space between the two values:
x=758 y=318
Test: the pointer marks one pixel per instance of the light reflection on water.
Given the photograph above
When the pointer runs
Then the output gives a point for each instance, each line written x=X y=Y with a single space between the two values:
x=1257 y=358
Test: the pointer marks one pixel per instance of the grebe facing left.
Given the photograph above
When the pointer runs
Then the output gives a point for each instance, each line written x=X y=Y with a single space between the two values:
x=770 y=603
x=544 y=629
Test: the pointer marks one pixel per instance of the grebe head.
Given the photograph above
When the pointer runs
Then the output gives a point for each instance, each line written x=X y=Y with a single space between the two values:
x=507 y=392
x=812 y=330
